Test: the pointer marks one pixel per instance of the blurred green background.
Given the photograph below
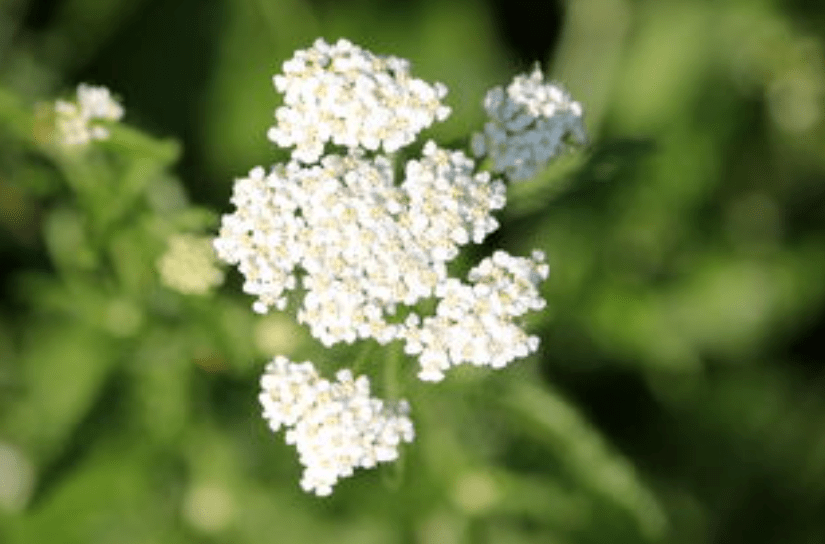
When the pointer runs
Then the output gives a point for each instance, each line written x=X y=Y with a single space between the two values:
x=678 y=392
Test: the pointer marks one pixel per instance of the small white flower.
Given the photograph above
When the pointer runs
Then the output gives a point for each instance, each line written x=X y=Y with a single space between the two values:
x=76 y=122
x=97 y=103
x=335 y=426
x=348 y=96
x=527 y=126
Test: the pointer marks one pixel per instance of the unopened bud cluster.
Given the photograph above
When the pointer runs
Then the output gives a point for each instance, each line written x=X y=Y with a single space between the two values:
x=528 y=124
x=188 y=265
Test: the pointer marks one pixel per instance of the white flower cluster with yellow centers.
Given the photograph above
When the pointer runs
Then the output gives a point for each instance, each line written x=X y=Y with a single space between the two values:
x=346 y=95
x=353 y=243
x=475 y=323
x=188 y=265
x=76 y=122
x=335 y=426
x=527 y=126
x=357 y=243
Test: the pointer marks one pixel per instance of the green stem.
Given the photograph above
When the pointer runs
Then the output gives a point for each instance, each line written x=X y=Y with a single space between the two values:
x=392 y=386
x=393 y=475
x=362 y=358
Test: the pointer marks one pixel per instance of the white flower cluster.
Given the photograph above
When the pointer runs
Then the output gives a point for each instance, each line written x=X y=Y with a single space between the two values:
x=76 y=121
x=527 y=126
x=475 y=323
x=336 y=427
x=339 y=230
x=344 y=94
x=357 y=243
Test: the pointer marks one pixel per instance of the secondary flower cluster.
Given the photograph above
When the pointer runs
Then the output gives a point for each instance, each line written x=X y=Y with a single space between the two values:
x=344 y=94
x=77 y=122
x=335 y=426
x=476 y=323
x=527 y=126
x=355 y=244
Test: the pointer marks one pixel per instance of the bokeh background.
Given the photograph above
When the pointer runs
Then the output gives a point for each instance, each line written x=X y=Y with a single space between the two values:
x=678 y=395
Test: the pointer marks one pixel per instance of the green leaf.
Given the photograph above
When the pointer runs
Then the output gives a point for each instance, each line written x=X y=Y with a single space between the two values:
x=63 y=369
x=581 y=449
x=109 y=498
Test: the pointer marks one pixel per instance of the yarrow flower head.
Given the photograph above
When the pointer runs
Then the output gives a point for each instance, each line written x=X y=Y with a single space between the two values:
x=346 y=95
x=357 y=243
x=527 y=126
x=335 y=233
x=77 y=122
x=335 y=426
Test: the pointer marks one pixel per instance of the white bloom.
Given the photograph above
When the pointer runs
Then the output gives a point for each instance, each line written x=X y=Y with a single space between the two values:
x=476 y=323
x=449 y=205
x=335 y=426
x=527 y=126
x=77 y=121
x=357 y=243
x=188 y=265
x=97 y=103
x=348 y=96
